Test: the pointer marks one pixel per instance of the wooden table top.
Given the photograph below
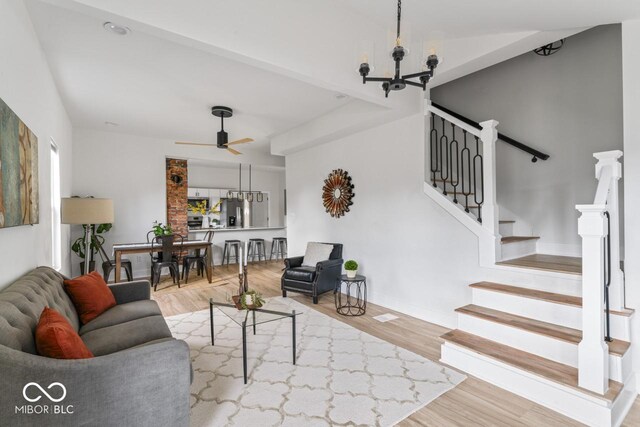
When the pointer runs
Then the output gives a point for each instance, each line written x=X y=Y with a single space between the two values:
x=121 y=247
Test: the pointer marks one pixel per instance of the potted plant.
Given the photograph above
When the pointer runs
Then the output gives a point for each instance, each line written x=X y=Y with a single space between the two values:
x=161 y=230
x=250 y=300
x=351 y=268
x=79 y=245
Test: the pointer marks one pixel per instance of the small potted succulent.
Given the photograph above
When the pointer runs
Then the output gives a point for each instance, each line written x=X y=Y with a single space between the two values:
x=351 y=267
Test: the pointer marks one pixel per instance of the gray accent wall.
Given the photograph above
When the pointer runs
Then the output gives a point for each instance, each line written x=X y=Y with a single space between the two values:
x=568 y=105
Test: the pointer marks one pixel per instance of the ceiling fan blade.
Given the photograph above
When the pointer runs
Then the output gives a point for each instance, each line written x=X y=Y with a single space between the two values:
x=194 y=143
x=232 y=151
x=240 y=141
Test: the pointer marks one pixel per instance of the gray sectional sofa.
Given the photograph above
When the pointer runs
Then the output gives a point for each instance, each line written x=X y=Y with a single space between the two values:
x=140 y=374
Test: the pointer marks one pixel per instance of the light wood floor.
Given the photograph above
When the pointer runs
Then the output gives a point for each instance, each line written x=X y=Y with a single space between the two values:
x=562 y=264
x=472 y=403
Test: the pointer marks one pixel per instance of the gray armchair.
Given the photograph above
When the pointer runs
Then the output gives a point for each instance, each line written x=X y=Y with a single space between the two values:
x=315 y=280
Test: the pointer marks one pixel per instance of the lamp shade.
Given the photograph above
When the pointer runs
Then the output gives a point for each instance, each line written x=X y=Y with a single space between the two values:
x=76 y=210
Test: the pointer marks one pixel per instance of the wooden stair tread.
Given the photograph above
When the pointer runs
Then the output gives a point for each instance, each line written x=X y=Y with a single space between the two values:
x=553 y=371
x=514 y=239
x=506 y=221
x=539 y=295
x=556 y=263
x=570 y=335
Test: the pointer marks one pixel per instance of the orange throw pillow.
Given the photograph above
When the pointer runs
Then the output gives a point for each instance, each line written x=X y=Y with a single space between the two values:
x=55 y=337
x=90 y=295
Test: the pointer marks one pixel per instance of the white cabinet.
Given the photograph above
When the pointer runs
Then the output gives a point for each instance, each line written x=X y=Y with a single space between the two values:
x=198 y=192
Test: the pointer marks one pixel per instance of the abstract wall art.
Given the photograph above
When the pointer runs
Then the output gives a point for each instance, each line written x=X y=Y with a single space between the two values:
x=18 y=171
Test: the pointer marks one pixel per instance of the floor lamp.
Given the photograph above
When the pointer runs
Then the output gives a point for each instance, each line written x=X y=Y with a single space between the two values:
x=86 y=211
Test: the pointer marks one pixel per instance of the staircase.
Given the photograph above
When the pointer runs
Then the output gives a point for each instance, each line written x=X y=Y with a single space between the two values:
x=544 y=340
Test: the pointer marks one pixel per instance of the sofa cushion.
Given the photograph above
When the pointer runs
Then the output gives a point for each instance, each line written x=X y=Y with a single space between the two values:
x=90 y=295
x=315 y=253
x=22 y=302
x=304 y=274
x=119 y=337
x=56 y=338
x=122 y=313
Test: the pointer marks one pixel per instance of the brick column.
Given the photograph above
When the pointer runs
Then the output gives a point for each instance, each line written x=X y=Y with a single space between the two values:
x=177 y=196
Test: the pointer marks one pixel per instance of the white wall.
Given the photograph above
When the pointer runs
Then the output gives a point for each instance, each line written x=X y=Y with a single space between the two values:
x=559 y=105
x=631 y=178
x=417 y=258
x=223 y=177
x=26 y=85
x=130 y=169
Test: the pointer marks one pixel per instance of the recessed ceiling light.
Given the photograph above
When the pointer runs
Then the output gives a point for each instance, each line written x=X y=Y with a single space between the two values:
x=341 y=96
x=111 y=124
x=116 y=29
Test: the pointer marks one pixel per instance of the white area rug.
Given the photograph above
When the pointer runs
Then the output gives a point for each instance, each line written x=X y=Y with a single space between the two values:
x=343 y=376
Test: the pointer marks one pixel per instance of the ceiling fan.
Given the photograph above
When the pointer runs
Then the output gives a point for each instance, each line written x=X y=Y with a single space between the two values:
x=223 y=137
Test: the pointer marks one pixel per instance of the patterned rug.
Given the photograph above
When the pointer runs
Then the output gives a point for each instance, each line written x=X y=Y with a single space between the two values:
x=343 y=377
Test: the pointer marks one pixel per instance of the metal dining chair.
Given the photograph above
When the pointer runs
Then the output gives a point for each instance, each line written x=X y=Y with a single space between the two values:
x=168 y=257
x=199 y=259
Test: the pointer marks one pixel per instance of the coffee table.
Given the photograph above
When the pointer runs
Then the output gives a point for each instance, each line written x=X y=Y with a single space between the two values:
x=269 y=312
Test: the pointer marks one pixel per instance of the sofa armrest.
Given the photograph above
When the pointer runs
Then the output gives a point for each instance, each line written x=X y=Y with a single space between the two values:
x=106 y=390
x=327 y=275
x=131 y=291
x=293 y=262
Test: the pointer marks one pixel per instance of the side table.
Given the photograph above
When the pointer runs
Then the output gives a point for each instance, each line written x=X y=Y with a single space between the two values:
x=354 y=301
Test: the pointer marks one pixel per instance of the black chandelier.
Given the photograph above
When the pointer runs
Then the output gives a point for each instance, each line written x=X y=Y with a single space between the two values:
x=398 y=81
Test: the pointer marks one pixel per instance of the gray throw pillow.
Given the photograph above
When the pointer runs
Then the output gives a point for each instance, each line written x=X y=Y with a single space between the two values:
x=315 y=253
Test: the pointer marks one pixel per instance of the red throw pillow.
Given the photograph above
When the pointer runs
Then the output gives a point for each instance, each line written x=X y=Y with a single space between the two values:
x=90 y=295
x=55 y=337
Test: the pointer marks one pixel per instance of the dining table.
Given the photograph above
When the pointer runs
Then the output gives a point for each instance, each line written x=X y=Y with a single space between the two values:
x=141 y=248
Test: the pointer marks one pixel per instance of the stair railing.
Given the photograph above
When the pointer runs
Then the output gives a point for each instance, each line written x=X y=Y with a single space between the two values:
x=602 y=280
x=462 y=163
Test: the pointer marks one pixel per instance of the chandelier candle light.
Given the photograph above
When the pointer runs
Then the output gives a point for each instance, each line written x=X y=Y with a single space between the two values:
x=398 y=81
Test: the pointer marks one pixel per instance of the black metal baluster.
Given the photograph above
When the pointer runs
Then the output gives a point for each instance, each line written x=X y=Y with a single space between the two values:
x=607 y=277
x=444 y=144
x=478 y=164
x=454 y=152
x=433 y=149
x=465 y=154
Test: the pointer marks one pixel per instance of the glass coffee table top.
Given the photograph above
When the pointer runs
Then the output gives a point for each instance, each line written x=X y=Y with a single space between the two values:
x=270 y=311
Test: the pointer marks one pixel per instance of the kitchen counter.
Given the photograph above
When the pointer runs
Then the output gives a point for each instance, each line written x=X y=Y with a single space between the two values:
x=196 y=230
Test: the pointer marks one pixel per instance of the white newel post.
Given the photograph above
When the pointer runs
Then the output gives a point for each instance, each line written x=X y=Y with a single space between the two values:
x=489 y=136
x=593 y=353
x=609 y=159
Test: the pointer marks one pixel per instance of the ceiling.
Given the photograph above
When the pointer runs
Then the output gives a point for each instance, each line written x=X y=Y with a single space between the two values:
x=280 y=65
x=469 y=18
x=150 y=86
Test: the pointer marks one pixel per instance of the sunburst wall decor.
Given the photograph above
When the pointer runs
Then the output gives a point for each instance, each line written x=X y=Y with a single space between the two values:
x=337 y=193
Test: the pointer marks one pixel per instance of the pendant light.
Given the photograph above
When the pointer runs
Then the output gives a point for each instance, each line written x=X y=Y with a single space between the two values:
x=250 y=194
x=240 y=195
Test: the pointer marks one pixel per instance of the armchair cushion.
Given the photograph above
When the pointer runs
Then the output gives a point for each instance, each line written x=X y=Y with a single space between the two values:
x=304 y=274
x=316 y=252
x=122 y=313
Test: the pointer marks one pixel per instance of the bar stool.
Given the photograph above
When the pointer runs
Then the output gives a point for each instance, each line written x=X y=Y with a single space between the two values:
x=228 y=245
x=278 y=247
x=257 y=248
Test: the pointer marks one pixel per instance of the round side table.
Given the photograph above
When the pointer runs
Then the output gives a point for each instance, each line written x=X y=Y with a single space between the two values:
x=354 y=301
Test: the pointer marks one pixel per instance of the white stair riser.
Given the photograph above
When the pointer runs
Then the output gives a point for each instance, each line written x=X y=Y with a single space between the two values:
x=580 y=406
x=541 y=345
x=506 y=230
x=518 y=249
x=561 y=283
x=559 y=314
